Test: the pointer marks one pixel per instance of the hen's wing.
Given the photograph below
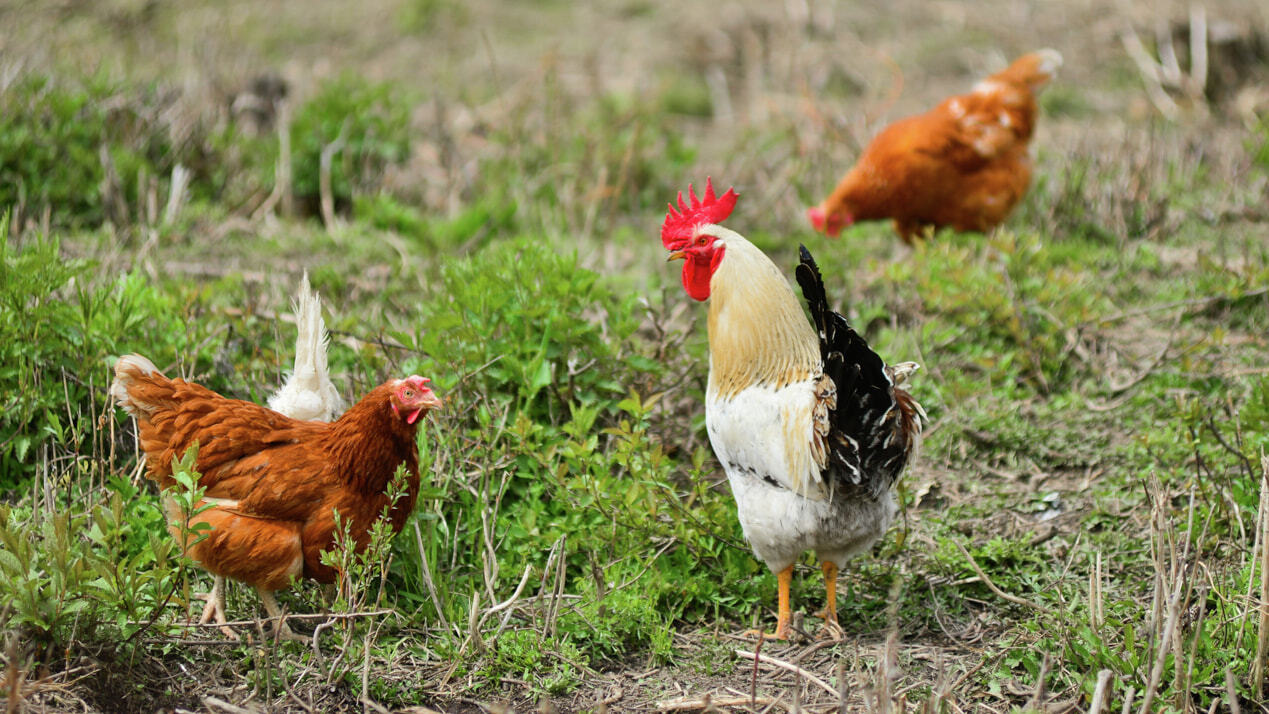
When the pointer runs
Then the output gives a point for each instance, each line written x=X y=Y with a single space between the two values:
x=867 y=426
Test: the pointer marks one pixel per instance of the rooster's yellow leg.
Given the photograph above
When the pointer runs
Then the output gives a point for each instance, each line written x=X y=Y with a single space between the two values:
x=784 y=617
x=784 y=579
x=831 y=628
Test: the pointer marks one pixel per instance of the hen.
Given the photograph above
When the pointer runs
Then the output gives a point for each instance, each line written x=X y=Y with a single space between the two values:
x=273 y=482
x=812 y=430
x=307 y=394
x=963 y=164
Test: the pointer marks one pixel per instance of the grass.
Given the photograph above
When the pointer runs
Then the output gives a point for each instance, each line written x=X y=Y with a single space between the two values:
x=1089 y=497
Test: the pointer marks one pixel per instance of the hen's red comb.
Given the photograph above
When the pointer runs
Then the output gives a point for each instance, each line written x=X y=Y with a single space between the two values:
x=679 y=224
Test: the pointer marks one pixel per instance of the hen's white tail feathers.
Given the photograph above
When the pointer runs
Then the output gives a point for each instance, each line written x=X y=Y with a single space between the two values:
x=308 y=393
x=310 y=343
x=127 y=369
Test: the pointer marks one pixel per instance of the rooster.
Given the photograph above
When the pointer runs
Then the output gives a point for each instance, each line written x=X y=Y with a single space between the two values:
x=812 y=429
x=307 y=394
x=274 y=483
x=963 y=164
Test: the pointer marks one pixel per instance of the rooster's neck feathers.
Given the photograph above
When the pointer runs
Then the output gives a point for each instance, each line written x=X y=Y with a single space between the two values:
x=757 y=331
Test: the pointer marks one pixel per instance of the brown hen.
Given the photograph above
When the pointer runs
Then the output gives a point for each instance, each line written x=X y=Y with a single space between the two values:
x=274 y=483
x=962 y=165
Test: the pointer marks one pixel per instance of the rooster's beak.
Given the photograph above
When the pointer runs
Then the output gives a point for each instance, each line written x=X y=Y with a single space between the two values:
x=677 y=255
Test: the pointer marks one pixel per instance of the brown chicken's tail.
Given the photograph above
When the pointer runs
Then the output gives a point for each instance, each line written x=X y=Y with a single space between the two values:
x=1032 y=70
x=139 y=387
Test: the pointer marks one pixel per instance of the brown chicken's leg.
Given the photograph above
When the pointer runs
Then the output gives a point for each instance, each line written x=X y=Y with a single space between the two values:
x=280 y=627
x=215 y=608
x=831 y=629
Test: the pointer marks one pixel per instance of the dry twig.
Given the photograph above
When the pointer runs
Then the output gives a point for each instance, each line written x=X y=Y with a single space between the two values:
x=766 y=659
x=992 y=586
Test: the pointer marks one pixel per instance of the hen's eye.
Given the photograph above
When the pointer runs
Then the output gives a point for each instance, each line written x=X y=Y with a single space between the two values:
x=409 y=393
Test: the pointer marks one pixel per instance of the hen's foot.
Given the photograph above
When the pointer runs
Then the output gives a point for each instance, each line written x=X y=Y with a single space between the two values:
x=214 y=610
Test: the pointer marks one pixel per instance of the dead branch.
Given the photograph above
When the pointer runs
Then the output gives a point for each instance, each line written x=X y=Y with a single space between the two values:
x=766 y=659
x=992 y=586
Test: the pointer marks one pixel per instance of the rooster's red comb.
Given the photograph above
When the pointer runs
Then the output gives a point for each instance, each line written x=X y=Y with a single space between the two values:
x=679 y=224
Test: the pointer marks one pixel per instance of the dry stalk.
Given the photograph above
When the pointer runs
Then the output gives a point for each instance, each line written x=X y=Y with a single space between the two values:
x=281 y=192
x=1231 y=694
x=323 y=176
x=427 y=577
x=1037 y=697
x=473 y=631
x=753 y=681
x=1101 y=694
x=1150 y=73
x=553 y=611
x=766 y=659
x=843 y=689
x=1262 y=626
x=1096 y=604
x=1167 y=561
x=992 y=586
x=708 y=703
x=506 y=604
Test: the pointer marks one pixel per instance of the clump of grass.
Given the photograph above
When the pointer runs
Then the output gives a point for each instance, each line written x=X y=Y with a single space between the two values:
x=61 y=323
x=68 y=157
x=364 y=125
x=1012 y=305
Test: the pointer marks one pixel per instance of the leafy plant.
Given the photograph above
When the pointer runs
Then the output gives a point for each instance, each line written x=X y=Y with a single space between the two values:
x=369 y=121
x=55 y=320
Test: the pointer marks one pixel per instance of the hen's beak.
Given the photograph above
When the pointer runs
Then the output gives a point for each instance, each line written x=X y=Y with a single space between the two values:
x=676 y=255
x=429 y=401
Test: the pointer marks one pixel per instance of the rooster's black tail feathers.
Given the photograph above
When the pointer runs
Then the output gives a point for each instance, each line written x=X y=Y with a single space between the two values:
x=871 y=433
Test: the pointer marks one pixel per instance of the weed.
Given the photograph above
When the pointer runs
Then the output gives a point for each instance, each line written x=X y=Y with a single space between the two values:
x=369 y=123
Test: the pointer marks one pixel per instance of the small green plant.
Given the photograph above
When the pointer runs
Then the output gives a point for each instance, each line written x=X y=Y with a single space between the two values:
x=45 y=569
x=58 y=327
x=369 y=125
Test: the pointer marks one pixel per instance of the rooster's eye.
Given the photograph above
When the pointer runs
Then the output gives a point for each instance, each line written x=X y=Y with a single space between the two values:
x=702 y=240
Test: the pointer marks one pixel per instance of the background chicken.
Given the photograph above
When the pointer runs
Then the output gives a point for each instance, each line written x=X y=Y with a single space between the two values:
x=308 y=393
x=963 y=164
x=812 y=431
x=275 y=482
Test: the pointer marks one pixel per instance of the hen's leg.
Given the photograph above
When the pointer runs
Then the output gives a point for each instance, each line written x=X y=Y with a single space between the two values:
x=215 y=608
x=831 y=629
x=275 y=613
